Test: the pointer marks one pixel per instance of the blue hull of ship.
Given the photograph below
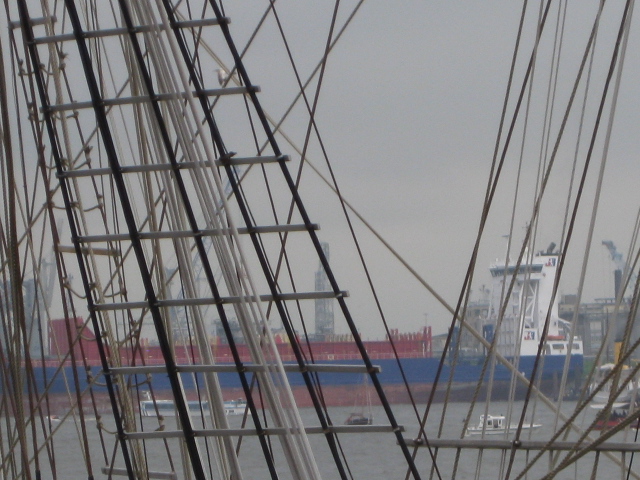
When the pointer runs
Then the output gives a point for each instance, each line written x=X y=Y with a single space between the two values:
x=420 y=371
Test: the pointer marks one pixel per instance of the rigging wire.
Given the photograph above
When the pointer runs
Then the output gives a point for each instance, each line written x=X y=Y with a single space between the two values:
x=85 y=446
x=571 y=185
x=462 y=314
x=613 y=64
x=334 y=186
x=491 y=185
x=283 y=253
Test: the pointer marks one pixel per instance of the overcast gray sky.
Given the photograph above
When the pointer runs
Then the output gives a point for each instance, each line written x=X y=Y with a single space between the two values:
x=409 y=112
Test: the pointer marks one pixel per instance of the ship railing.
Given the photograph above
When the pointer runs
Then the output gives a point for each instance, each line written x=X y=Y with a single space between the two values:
x=319 y=357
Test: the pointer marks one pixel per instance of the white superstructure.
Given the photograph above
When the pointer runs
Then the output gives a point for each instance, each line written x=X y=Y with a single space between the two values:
x=167 y=408
x=519 y=318
x=497 y=425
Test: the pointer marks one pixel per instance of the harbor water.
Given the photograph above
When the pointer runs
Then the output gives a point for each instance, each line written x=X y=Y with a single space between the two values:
x=366 y=455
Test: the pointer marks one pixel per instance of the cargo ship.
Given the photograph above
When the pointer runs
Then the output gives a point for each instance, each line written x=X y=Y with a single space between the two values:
x=531 y=307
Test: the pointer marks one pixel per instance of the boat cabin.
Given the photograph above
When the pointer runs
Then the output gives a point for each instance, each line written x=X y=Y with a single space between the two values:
x=492 y=422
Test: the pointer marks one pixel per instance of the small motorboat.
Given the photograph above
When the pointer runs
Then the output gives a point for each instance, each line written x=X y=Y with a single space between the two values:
x=235 y=407
x=602 y=389
x=361 y=413
x=358 y=419
x=166 y=408
x=496 y=425
x=619 y=412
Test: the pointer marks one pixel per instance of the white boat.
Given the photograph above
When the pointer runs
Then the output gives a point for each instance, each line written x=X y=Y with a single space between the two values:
x=496 y=425
x=235 y=407
x=166 y=408
x=627 y=388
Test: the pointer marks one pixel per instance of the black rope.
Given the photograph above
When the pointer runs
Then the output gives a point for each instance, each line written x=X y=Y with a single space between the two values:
x=316 y=242
x=189 y=211
x=33 y=54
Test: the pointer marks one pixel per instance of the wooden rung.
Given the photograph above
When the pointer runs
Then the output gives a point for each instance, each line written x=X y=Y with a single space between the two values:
x=109 y=32
x=167 y=167
x=112 y=102
x=528 y=445
x=105 y=307
x=34 y=21
x=242 y=432
x=226 y=368
x=123 y=237
x=184 y=302
x=123 y=473
x=252 y=160
x=194 y=302
x=109 y=252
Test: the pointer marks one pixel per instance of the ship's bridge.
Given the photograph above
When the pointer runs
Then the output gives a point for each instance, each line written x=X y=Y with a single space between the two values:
x=499 y=270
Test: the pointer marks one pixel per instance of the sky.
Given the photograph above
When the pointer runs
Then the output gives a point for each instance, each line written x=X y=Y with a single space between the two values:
x=409 y=111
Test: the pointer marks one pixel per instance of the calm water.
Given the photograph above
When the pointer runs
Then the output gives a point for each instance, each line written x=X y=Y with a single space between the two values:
x=368 y=455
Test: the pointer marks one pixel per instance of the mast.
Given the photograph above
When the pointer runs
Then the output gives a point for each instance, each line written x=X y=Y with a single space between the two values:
x=165 y=235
